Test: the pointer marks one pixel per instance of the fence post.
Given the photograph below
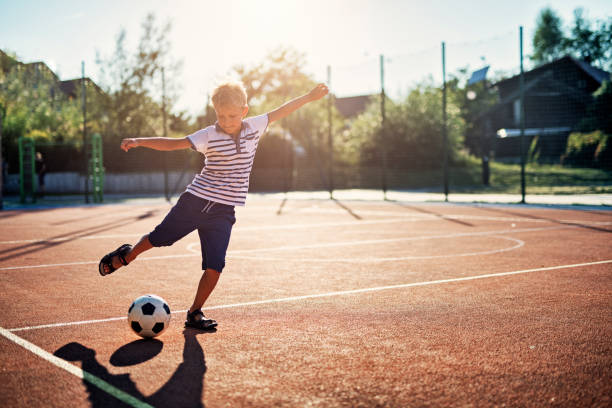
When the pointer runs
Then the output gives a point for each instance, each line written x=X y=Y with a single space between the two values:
x=330 y=98
x=522 y=99
x=85 y=151
x=444 y=130
x=1 y=162
x=383 y=147
x=165 y=134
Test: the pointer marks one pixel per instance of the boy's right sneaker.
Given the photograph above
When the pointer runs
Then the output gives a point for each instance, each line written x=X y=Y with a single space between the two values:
x=197 y=320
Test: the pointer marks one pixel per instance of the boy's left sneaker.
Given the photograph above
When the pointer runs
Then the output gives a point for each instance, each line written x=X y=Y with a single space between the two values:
x=197 y=320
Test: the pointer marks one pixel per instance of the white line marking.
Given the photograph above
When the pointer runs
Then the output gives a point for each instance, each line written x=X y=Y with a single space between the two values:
x=259 y=257
x=310 y=246
x=339 y=293
x=77 y=372
x=236 y=229
x=403 y=218
x=389 y=240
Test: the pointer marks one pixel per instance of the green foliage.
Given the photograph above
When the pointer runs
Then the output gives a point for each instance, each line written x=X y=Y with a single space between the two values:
x=591 y=44
x=472 y=101
x=274 y=151
x=588 y=40
x=548 y=39
x=35 y=107
x=412 y=135
x=599 y=111
x=273 y=82
x=533 y=153
x=588 y=150
x=132 y=81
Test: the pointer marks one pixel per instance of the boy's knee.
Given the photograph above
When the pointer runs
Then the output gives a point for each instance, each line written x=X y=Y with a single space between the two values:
x=157 y=239
x=212 y=271
x=216 y=265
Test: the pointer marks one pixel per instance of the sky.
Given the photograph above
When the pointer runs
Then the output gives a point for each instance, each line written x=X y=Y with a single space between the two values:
x=211 y=37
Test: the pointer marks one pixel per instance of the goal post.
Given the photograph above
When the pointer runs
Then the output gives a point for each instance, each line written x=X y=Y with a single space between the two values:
x=96 y=168
x=27 y=170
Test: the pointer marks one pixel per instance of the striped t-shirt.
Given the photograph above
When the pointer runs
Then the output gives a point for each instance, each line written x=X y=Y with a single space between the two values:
x=227 y=167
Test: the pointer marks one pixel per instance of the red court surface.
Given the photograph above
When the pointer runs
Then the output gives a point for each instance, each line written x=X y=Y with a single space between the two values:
x=322 y=303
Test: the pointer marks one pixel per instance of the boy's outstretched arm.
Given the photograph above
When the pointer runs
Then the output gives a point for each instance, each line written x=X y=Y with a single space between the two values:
x=317 y=92
x=156 y=143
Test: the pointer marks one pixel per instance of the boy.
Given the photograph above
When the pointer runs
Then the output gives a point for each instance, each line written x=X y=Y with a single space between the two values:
x=208 y=202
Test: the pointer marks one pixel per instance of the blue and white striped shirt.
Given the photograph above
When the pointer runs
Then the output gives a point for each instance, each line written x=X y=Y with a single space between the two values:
x=225 y=176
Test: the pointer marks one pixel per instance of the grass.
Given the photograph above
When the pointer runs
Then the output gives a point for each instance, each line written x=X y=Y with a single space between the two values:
x=539 y=179
x=504 y=178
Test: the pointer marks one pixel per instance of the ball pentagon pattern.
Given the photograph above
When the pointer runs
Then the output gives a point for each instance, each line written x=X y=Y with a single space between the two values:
x=149 y=316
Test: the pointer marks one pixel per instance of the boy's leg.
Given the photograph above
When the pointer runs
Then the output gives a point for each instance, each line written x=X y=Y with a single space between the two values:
x=143 y=245
x=214 y=239
x=208 y=281
x=177 y=223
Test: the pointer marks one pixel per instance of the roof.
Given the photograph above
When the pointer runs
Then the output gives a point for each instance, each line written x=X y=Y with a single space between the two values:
x=597 y=74
x=6 y=61
x=353 y=105
x=68 y=87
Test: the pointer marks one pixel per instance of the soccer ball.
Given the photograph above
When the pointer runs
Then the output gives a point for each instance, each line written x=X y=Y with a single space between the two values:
x=149 y=316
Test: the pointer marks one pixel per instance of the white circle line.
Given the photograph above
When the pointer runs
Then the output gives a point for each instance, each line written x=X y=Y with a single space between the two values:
x=518 y=244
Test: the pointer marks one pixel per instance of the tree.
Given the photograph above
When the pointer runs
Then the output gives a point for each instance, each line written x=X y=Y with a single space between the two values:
x=548 y=40
x=591 y=44
x=413 y=136
x=590 y=41
x=274 y=81
x=36 y=108
x=598 y=116
x=133 y=83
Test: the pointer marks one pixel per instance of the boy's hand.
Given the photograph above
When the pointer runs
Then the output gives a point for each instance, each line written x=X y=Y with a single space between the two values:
x=127 y=144
x=318 y=92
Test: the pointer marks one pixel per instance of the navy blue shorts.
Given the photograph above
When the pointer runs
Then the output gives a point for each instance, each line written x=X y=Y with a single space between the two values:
x=213 y=221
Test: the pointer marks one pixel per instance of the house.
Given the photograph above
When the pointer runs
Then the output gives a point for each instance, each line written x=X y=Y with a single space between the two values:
x=37 y=75
x=556 y=97
x=351 y=106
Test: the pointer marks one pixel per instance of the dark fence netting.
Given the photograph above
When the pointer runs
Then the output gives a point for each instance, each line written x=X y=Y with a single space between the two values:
x=460 y=118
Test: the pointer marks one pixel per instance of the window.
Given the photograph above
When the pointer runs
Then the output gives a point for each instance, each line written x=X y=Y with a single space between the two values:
x=517 y=112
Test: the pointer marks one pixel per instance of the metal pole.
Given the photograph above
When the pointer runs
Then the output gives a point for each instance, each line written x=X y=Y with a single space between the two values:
x=330 y=137
x=1 y=162
x=383 y=147
x=165 y=134
x=21 y=171
x=85 y=155
x=522 y=141
x=444 y=130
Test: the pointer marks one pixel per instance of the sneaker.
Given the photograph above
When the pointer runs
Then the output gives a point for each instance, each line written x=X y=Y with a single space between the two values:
x=197 y=320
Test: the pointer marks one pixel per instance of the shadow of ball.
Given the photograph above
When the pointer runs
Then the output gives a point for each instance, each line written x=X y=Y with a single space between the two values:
x=136 y=352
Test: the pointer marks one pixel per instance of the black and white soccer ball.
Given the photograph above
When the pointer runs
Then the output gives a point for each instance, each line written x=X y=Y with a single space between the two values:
x=149 y=316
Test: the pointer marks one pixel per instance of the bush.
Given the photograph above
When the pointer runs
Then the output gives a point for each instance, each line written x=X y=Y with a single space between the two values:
x=588 y=150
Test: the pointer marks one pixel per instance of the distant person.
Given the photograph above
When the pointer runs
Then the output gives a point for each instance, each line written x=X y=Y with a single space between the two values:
x=5 y=172
x=41 y=171
x=208 y=202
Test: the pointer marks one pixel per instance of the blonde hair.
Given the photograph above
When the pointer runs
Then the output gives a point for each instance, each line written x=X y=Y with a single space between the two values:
x=230 y=93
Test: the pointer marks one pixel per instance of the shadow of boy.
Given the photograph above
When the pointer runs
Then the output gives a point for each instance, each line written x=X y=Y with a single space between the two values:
x=184 y=389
